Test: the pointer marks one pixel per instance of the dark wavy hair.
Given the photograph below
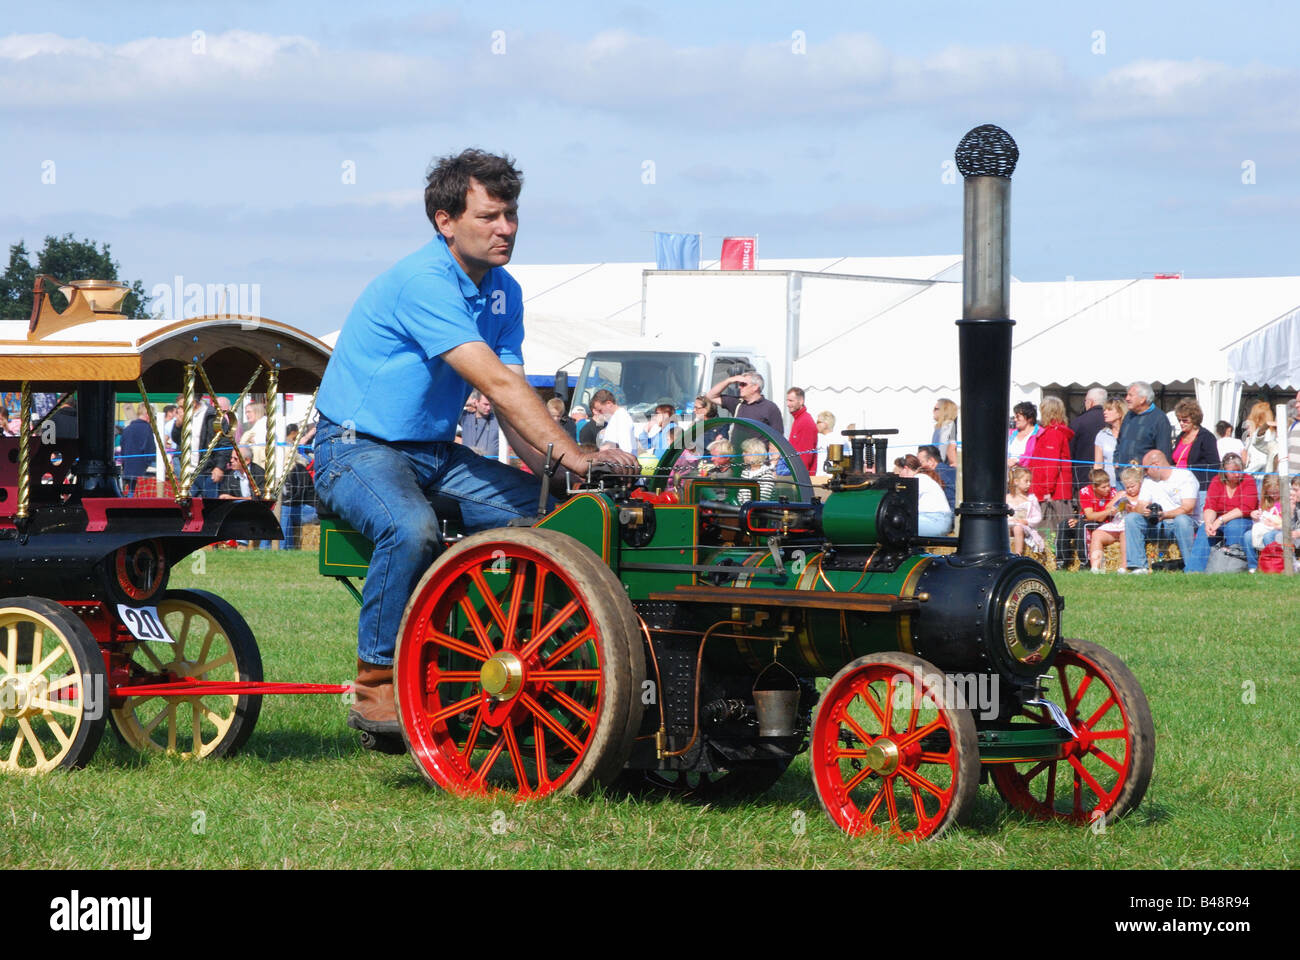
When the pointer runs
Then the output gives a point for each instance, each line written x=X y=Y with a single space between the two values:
x=447 y=181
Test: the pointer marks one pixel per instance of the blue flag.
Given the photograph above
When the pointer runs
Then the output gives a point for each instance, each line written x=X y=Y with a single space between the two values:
x=677 y=251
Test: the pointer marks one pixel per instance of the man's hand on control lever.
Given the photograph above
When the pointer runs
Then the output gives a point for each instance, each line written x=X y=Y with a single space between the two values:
x=613 y=461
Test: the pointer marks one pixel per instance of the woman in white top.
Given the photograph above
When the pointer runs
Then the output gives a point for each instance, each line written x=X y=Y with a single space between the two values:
x=1113 y=412
x=945 y=438
x=1227 y=443
x=933 y=514
x=825 y=426
x=1260 y=440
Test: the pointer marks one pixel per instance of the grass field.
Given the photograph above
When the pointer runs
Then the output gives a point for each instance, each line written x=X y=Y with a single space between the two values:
x=1225 y=794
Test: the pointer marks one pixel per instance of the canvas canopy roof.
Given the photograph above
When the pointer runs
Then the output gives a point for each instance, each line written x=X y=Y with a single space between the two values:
x=1269 y=356
x=87 y=346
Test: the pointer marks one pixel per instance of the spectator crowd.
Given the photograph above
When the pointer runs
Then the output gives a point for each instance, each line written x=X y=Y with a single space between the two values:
x=1127 y=474
x=1122 y=472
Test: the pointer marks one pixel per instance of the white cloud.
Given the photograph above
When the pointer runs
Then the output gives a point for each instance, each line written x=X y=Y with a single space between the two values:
x=1255 y=94
x=292 y=81
x=257 y=80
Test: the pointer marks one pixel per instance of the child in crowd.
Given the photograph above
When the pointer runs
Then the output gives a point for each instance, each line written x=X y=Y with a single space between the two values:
x=719 y=460
x=719 y=464
x=757 y=468
x=1268 y=518
x=1100 y=504
x=1026 y=514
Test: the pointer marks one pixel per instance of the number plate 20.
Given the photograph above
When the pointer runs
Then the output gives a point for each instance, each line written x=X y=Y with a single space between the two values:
x=144 y=623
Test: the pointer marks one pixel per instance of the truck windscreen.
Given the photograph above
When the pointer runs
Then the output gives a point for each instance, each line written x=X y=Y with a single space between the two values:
x=641 y=381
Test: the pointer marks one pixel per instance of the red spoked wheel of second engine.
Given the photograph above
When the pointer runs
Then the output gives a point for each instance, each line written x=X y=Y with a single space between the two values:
x=519 y=667
x=1104 y=770
x=891 y=753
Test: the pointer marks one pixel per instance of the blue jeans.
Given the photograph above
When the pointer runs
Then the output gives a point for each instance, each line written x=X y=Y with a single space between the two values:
x=292 y=517
x=204 y=487
x=1234 y=531
x=1137 y=528
x=934 y=524
x=381 y=489
x=948 y=474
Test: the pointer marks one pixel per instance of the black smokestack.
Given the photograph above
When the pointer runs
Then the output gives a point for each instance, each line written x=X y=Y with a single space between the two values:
x=986 y=158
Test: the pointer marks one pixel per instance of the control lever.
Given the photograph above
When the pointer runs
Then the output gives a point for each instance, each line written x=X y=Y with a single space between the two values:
x=548 y=472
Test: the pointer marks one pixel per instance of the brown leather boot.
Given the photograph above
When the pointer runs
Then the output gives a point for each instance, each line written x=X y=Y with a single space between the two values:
x=375 y=711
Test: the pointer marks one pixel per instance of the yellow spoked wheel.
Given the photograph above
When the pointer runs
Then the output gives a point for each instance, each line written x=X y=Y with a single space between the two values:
x=52 y=687
x=211 y=641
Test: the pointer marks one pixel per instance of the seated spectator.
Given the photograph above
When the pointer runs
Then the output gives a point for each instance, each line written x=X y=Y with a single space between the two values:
x=756 y=467
x=1195 y=448
x=1227 y=443
x=1023 y=435
x=1172 y=491
x=933 y=516
x=1268 y=515
x=1097 y=511
x=229 y=481
x=1101 y=504
x=928 y=455
x=1229 y=504
x=1025 y=512
x=720 y=464
x=1268 y=526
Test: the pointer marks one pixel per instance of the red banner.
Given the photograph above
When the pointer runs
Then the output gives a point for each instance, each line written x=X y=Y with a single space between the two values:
x=739 y=253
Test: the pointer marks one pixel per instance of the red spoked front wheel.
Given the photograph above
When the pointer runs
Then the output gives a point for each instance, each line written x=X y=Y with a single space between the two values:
x=890 y=752
x=1106 y=767
x=519 y=667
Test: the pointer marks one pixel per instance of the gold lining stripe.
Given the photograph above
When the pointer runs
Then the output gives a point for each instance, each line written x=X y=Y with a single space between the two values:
x=325 y=550
x=605 y=542
x=908 y=590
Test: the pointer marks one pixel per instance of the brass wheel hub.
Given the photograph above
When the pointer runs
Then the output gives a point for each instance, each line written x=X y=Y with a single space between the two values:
x=18 y=691
x=15 y=695
x=502 y=676
x=883 y=756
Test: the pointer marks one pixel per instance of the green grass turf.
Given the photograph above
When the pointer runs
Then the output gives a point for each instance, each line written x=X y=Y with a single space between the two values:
x=304 y=794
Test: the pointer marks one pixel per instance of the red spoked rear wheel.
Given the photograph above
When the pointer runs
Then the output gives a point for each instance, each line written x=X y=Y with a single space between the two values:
x=1106 y=768
x=519 y=667
x=890 y=754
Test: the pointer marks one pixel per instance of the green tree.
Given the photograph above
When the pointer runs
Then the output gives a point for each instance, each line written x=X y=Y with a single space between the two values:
x=66 y=259
x=16 y=285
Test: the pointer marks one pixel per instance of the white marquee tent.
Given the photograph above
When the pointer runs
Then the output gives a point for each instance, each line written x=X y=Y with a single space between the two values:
x=877 y=351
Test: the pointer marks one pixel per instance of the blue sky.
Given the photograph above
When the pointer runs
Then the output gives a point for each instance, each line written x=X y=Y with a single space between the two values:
x=222 y=158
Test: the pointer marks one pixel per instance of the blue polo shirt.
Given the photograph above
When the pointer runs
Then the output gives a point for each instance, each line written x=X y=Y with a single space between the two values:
x=386 y=374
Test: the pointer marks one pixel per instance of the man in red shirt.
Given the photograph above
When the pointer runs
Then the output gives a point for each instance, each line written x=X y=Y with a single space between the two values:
x=803 y=429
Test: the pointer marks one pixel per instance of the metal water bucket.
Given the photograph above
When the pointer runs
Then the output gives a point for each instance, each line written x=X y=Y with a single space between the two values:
x=776 y=701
